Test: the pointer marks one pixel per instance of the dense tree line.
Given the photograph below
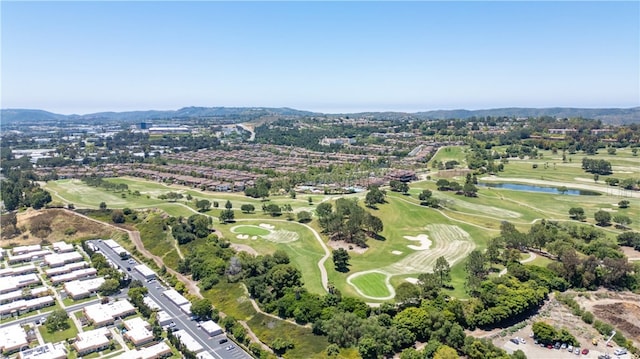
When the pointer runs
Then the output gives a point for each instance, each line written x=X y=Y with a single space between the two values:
x=600 y=167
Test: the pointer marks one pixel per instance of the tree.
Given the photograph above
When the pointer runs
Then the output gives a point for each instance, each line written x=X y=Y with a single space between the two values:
x=57 y=320
x=247 y=208
x=442 y=270
x=304 y=216
x=203 y=205
x=324 y=209
x=103 y=206
x=399 y=186
x=544 y=332
x=623 y=204
x=621 y=220
x=374 y=196
x=407 y=293
x=445 y=352
x=341 y=260
x=282 y=277
x=425 y=195
x=476 y=269
x=228 y=205
x=118 y=217
x=109 y=287
x=202 y=308
x=272 y=209
x=227 y=216
x=602 y=218
x=577 y=213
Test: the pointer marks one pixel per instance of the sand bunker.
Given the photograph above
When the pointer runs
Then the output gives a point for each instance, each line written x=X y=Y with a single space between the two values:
x=254 y=237
x=396 y=253
x=425 y=243
x=242 y=236
x=267 y=226
x=412 y=280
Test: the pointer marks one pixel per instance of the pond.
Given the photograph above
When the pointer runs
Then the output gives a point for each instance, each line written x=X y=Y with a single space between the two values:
x=530 y=188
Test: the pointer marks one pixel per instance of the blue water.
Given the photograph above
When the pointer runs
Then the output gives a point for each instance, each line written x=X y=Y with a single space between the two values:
x=529 y=188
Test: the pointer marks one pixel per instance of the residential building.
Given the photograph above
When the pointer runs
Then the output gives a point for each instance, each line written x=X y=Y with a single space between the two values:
x=12 y=271
x=138 y=331
x=59 y=259
x=159 y=350
x=175 y=297
x=92 y=341
x=10 y=284
x=46 y=351
x=188 y=341
x=62 y=247
x=146 y=272
x=78 y=289
x=211 y=327
x=75 y=275
x=105 y=314
x=21 y=306
x=12 y=338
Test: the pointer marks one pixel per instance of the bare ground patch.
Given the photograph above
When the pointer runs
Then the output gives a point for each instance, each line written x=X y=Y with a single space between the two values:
x=346 y=246
x=65 y=226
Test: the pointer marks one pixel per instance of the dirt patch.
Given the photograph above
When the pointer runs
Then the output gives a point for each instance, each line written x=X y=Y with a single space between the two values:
x=631 y=253
x=620 y=309
x=64 y=226
x=624 y=316
x=346 y=246
x=244 y=248
x=453 y=173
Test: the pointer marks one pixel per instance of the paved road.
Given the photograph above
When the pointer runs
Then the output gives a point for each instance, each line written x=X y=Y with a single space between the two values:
x=182 y=321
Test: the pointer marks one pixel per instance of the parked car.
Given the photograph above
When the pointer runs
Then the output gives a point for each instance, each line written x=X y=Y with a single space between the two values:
x=522 y=341
x=223 y=340
x=515 y=340
x=620 y=351
x=563 y=346
x=585 y=351
x=576 y=351
x=557 y=346
x=570 y=348
x=231 y=347
x=594 y=341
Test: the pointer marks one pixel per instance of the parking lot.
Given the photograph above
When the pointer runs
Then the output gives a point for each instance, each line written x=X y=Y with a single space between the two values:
x=535 y=351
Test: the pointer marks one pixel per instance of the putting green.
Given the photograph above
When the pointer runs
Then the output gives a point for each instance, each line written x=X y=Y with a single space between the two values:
x=250 y=230
x=372 y=284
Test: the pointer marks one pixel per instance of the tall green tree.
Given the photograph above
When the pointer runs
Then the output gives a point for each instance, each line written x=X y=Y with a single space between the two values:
x=341 y=260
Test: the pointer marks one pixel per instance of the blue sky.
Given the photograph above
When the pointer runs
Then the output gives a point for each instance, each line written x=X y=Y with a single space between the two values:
x=83 y=57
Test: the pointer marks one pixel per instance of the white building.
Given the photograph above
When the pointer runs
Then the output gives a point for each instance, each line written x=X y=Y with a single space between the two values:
x=75 y=275
x=12 y=338
x=10 y=284
x=92 y=341
x=60 y=259
x=105 y=314
x=164 y=318
x=146 y=272
x=27 y=294
x=25 y=249
x=188 y=341
x=62 y=247
x=47 y=351
x=175 y=297
x=11 y=271
x=21 y=306
x=211 y=327
x=27 y=257
x=79 y=289
x=159 y=350
x=67 y=268
x=138 y=331
x=151 y=303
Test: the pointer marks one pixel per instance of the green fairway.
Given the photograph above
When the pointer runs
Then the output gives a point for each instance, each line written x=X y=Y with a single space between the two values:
x=250 y=230
x=371 y=284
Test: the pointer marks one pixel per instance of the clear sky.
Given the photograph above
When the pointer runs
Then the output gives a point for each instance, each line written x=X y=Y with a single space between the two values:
x=83 y=57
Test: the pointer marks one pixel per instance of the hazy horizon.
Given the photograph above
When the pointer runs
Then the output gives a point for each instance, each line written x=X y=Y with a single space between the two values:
x=330 y=57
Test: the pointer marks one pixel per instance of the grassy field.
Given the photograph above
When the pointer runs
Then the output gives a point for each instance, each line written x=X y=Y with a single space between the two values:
x=461 y=225
x=371 y=284
x=59 y=335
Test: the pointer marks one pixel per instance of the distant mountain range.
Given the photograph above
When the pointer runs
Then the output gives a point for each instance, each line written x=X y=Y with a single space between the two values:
x=606 y=115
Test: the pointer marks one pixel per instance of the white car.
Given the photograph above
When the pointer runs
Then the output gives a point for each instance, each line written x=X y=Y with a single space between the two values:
x=620 y=351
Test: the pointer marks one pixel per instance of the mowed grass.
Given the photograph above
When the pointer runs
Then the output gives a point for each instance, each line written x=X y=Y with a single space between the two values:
x=371 y=284
x=251 y=230
x=58 y=336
